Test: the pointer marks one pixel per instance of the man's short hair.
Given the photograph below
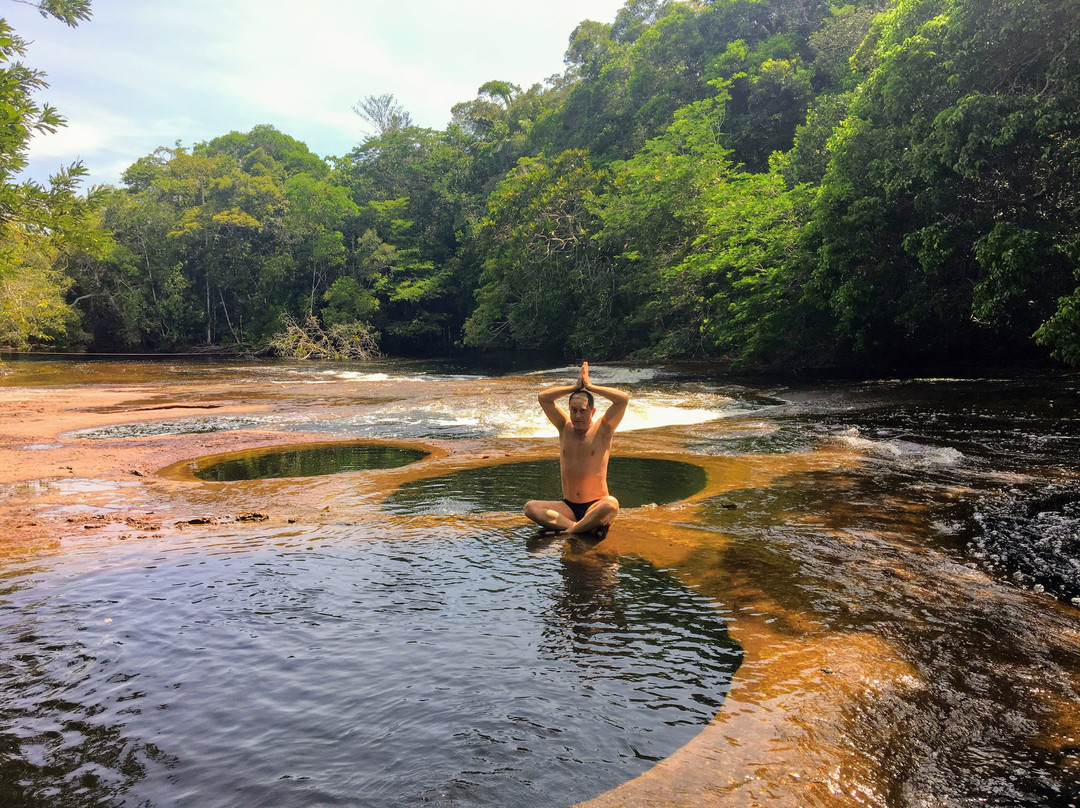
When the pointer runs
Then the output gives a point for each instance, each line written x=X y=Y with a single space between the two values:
x=587 y=394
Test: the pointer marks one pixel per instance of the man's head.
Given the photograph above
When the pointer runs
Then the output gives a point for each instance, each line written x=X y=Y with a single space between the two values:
x=582 y=407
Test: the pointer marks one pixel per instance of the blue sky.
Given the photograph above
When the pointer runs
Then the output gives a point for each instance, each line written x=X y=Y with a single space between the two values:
x=147 y=73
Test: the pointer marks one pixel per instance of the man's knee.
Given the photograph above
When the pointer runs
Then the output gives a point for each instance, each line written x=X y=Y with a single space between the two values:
x=537 y=509
x=607 y=508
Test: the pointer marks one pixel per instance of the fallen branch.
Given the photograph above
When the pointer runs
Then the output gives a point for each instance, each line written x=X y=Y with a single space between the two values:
x=311 y=340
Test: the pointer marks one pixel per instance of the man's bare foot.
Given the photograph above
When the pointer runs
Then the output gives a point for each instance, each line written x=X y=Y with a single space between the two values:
x=599 y=530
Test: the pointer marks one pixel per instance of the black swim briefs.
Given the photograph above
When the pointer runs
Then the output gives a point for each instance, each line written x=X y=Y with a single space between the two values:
x=579 y=508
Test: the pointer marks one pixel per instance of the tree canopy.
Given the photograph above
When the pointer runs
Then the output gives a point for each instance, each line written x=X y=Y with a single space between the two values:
x=775 y=183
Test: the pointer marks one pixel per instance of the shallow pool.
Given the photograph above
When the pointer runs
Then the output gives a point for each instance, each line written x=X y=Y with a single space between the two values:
x=335 y=666
x=312 y=460
x=896 y=558
x=635 y=481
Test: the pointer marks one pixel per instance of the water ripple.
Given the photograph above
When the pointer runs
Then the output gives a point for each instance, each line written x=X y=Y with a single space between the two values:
x=302 y=678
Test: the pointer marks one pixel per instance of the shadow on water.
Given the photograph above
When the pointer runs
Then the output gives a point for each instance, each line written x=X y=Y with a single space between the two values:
x=308 y=667
x=635 y=481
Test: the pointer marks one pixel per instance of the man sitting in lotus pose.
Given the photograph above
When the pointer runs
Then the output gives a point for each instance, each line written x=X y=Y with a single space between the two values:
x=584 y=450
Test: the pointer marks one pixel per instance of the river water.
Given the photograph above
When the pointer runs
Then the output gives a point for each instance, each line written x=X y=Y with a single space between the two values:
x=842 y=593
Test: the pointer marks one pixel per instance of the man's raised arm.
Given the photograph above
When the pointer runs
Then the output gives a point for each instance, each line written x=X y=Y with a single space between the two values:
x=552 y=410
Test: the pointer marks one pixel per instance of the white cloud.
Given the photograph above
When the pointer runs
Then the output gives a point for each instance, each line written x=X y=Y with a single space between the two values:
x=142 y=73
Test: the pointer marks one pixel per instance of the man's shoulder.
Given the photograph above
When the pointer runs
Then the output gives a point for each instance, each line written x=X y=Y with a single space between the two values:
x=605 y=427
x=566 y=432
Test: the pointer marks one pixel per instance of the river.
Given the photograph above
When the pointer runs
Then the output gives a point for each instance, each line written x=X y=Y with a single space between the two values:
x=869 y=595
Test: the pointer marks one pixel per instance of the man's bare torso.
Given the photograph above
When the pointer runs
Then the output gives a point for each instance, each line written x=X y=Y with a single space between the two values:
x=584 y=460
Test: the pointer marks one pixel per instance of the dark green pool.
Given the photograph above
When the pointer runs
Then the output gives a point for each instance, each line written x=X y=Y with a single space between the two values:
x=634 y=481
x=309 y=461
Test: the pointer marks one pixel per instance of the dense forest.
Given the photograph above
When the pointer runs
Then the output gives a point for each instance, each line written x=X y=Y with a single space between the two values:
x=773 y=183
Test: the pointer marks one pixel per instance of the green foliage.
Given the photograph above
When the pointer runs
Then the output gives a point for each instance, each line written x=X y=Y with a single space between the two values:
x=543 y=284
x=347 y=301
x=770 y=91
x=266 y=150
x=704 y=249
x=33 y=309
x=1062 y=331
x=950 y=197
x=211 y=253
x=834 y=46
x=652 y=216
x=809 y=156
x=71 y=12
x=419 y=194
x=777 y=182
x=45 y=231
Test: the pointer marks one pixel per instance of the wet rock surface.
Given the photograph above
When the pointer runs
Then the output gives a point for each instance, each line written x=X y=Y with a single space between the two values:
x=1031 y=535
x=968 y=724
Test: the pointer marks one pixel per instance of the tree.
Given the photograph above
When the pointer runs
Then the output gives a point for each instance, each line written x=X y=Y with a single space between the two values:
x=71 y=12
x=591 y=47
x=384 y=113
x=42 y=229
x=699 y=244
x=265 y=146
x=635 y=16
x=137 y=295
x=770 y=92
x=835 y=43
x=544 y=284
x=197 y=234
x=947 y=216
x=312 y=231
x=418 y=194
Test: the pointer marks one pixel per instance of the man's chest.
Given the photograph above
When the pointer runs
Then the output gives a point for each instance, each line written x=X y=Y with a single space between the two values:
x=593 y=444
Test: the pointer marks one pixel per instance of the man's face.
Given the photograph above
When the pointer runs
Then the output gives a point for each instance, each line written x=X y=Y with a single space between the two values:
x=580 y=413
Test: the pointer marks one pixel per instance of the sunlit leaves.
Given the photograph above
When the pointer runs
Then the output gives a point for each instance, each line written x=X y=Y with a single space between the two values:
x=702 y=245
x=71 y=12
x=45 y=230
x=767 y=180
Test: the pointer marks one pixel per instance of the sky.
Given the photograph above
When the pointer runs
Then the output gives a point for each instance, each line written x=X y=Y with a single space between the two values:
x=147 y=73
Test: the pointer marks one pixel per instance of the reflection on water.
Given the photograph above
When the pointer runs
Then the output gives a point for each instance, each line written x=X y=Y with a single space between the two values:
x=306 y=461
x=320 y=667
x=635 y=481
